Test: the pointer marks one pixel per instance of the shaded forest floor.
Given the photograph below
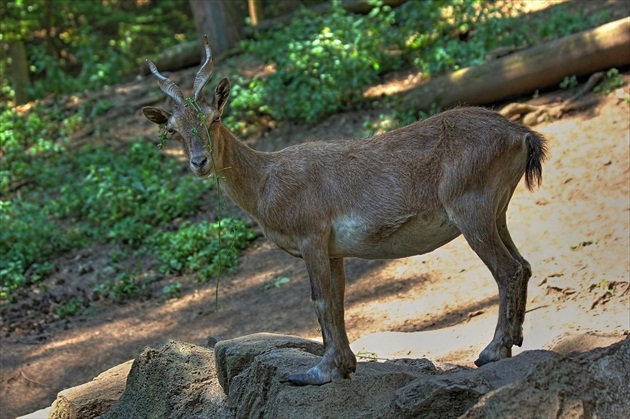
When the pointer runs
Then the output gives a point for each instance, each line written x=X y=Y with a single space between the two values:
x=574 y=231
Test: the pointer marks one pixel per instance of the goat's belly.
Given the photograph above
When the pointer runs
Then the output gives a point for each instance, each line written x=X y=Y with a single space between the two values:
x=352 y=237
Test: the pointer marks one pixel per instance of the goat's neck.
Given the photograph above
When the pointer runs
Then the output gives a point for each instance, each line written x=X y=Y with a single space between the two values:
x=239 y=167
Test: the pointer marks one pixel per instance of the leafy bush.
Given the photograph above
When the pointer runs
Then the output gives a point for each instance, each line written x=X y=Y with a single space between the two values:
x=322 y=64
x=205 y=248
x=28 y=237
x=71 y=307
x=447 y=35
x=65 y=199
x=92 y=43
x=25 y=141
x=124 y=286
x=122 y=197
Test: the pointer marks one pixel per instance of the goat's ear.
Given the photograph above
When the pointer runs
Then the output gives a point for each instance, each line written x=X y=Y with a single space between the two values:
x=221 y=94
x=156 y=115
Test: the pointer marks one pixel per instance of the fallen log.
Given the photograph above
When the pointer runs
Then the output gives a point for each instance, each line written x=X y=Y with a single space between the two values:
x=538 y=67
x=177 y=57
x=188 y=54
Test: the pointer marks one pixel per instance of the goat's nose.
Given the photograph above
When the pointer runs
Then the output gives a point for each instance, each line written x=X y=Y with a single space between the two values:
x=199 y=161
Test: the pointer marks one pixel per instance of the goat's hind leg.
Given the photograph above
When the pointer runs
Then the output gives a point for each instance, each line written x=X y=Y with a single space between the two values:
x=521 y=303
x=479 y=227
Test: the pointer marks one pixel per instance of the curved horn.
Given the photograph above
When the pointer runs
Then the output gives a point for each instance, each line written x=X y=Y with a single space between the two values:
x=205 y=72
x=166 y=85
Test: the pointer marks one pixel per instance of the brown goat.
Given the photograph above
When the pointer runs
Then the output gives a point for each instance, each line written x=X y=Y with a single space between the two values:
x=398 y=194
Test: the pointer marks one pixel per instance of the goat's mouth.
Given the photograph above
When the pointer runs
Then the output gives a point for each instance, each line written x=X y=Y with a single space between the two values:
x=202 y=173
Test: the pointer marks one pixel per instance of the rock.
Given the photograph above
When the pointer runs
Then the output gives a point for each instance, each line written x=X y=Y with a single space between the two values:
x=91 y=399
x=41 y=413
x=451 y=393
x=176 y=380
x=590 y=384
x=181 y=380
x=438 y=397
x=398 y=389
x=234 y=355
x=261 y=390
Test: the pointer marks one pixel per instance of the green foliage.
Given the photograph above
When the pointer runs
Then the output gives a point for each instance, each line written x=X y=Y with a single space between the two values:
x=124 y=286
x=25 y=141
x=447 y=35
x=124 y=196
x=28 y=237
x=398 y=118
x=277 y=282
x=324 y=63
x=172 y=290
x=612 y=81
x=569 y=82
x=69 y=198
x=205 y=248
x=70 y=308
x=90 y=44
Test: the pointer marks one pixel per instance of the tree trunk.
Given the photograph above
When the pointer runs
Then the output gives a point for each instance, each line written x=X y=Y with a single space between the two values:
x=538 y=67
x=255 y=11
x=221 y=20
x=18 y=71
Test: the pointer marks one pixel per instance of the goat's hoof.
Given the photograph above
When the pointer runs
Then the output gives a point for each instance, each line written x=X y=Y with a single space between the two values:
x=482 y=360
x=307 y=379
x=486 y=356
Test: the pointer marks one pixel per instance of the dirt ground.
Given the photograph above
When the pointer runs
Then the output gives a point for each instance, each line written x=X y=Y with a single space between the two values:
x=574 y=231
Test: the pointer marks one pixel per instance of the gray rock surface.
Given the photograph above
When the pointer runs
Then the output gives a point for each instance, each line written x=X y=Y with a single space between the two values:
x=584 y=385
x=180 y=380
x=398 y=389
x=174 y=381
x=235 y=355
x=91 y=399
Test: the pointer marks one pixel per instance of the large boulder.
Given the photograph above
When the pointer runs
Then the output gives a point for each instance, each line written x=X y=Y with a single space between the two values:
x=584 y=385
x=249 y=380
x=91 y=399
x=235 y=355
x=174 y=381
x=399 y=389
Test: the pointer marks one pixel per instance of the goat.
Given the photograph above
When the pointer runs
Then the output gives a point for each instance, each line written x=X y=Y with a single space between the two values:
x=402 y=193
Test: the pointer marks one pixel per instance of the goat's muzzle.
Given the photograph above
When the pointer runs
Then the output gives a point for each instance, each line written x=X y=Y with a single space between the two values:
x=200 y=166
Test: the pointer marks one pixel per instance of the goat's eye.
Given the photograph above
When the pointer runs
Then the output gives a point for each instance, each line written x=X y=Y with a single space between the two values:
x=170 y=131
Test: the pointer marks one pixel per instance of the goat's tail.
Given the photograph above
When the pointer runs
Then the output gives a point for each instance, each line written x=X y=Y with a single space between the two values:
x=536 y=155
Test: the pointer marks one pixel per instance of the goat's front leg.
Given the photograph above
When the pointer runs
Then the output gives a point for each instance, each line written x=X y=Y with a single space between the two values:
x=327 y=291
